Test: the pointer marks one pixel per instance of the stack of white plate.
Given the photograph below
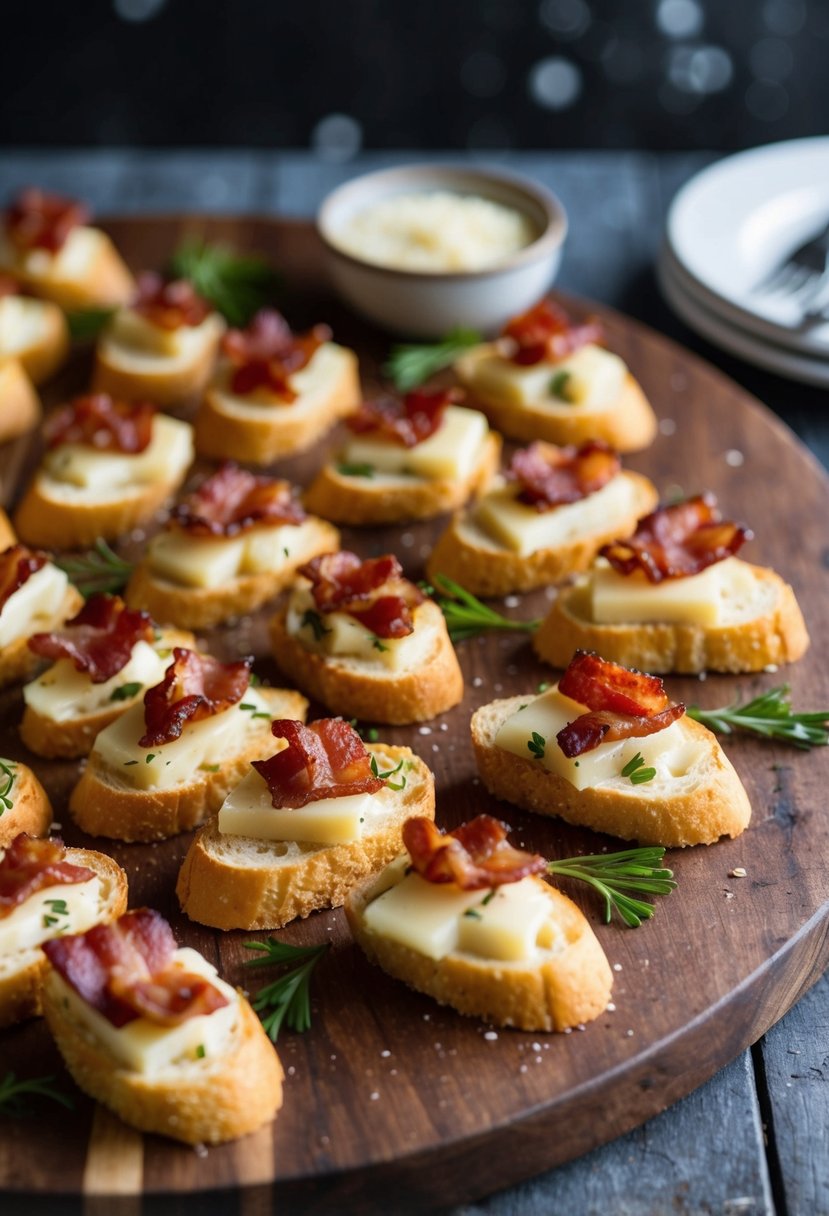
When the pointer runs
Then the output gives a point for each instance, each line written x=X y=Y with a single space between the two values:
x=728 y=229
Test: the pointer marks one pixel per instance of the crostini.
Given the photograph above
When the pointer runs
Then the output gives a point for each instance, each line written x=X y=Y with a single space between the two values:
x=161 y=347
x=35 y=596
x=47 y=890
x=108 y=467
x=170 y=760
x=32 y=331
x=104 y=659
x=543 y=521
x=467 y=919
x=303 y=827
x=673 y=598
x=148 y=1029
x=406 y=459
x=275 y=392
x=20 y=408
x=365 y=642
x=24 y=803
x=546 y=378
x=47 y=244
x=232 y=544
x=605 y=749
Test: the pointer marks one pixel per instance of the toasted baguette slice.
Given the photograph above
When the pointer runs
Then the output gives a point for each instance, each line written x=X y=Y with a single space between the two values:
x=130 y=373
x=469 y=555
x=22 y=972
x=20 y=409
x=202 y=1101
x=68 y=738
x=257 y=431
x=7 y=536
x=104 y=804
x=239 y=882
x=360 y=688
x=35 y=333
x=771 y=630
x=627 y=422
x=88 y=272
x=387 y=498
x=17 y=662
x=703 y=803
x=563 y=986
x=30 y=812
x=203 y=607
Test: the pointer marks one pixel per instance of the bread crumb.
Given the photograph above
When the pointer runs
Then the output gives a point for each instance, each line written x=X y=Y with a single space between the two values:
x=617 y=966
x=628 y=1034
x=728 y=894
x=424 y=730
x=737 y=872
x=667 y=426
x=611 y=1008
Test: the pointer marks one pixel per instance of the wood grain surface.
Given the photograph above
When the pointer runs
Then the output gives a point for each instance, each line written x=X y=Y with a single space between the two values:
x=387 y=1089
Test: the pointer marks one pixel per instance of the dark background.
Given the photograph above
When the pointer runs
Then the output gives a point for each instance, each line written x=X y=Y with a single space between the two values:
x=341 y=75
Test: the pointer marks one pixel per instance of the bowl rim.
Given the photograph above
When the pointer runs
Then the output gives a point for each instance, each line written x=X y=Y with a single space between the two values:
x=549 y=240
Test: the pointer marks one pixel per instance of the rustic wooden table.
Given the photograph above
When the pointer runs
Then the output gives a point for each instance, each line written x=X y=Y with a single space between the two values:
x=755 y=1139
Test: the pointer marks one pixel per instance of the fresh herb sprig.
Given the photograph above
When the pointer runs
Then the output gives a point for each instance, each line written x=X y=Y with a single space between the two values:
x=770 y=715
x=85 y=325
x=389 y=773
x=238 y=285
x=636 y=771
x=13 y=1093
x=98 y=570
x=466 y=616
x=8 y=776
x=614 y=875
x=410 y=364
x=287 y=999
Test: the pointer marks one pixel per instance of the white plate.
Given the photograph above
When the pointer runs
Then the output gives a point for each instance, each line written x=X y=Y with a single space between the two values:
x=738 y=341
x=732 y=224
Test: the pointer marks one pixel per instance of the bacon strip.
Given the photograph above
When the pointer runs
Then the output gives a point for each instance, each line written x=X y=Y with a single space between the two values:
x=602 y=726
x=17 y=565
x=169 y=303
x=407 y=422
x=124 y=971
x=677 y=541
x=326 y=759
x=100 y=422
x=546 y=333
x=374 y=591
x=268 y=353
x=195 y=686
x=233 y=501
x=473 y=856
x=99 y=640
x=37 y=220
x=31 y=865
x=550 y=476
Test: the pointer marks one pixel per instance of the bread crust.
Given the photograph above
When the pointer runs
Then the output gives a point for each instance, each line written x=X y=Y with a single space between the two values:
x=42 y=359
x=206 y=1101
x=779 y=636
x=202 y=607
x=484 y=567
x=20 y=408
x=565 y=989
x=102 y=808
x=31 y=810
x=17 y=662
x=355 y=500
x=180 y=382
x=396 y=698
x=715 y=804
x=107 y=282
x=279 y=432
x=21 y=985
x=270 y=890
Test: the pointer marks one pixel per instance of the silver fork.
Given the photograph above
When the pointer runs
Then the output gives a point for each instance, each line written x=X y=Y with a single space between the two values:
x=803 y=274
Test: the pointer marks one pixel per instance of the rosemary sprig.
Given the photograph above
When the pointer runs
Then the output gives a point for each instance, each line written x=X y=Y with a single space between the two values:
x=466 y=616
x=237 y=284
x=409 y=365
x=88 y=323
x=288 y=998
x=100 y=569
x=614 y=874
x=12 y=1093
x=770 y=716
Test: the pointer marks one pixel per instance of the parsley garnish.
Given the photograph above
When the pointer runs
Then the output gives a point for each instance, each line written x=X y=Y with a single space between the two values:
x=473 y=914
x=150 y=756
x=356 y=470
x=238 y=285
x=8 y=772
x=537 y=745
x=770 y=716
x=410 y=364
x=254 y=711
x=209 y=768
x=288 y=998
x=125 y=691
x=614 y=874
x=377 y=644
x=638 y=775
x=12 y=1090
x=200 y=1052
x=314 y=622
x=558 y=385
x=393 y=785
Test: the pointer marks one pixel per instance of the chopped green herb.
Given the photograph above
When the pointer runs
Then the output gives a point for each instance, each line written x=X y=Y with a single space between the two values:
x=356 y=470
x=288 y=998
x=286 y=552
x=377 y=644
x=125 y=691
x=637 y=774
x=473 y=914
x=543 y=686
x=410 y=364
x=393 y=785
x=313 y=621
x=200 y=1052
x=559 y=386
x=372 y=734
x=58 y=906
x=127 y=763
x=537 y=745
x=150 y=756
x=48 y=921
x=7 y=771
x=253 y=710
x=209 y=768
x=490 y=895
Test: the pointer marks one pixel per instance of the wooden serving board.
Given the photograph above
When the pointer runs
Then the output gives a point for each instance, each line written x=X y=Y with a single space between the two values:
x=388 y=1089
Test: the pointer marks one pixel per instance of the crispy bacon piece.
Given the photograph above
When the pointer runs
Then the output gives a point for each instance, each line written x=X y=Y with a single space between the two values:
x=9 y=286
x=551 y=476
x=407 y=422
x=374 y=591
x=602 y=726
x=473 y=856
x=195 y=686
x=30 y=865
x=17 y=565
x=546 y=333
x=37 y=220
x=125 y=971
x=326 y=759
x=268 y=353
x=99 y=640
x=100 y=422
x=233 y=500
x=677 y=541
x=169 y=303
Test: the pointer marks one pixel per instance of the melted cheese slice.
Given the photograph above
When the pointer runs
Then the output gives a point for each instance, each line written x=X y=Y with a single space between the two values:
x=63 y=693
x=72 y=261
x=136 y=344
x=212 y=561
x=346 y=638
x=146 y=1048
x=595 y=379
x=672 y=752
x=312 y=385
x=34 y=607
x=249 y=811
x=723 y=594
x=451 y=453
x=62 y=908
x=524 y=530
x=81 y=468
x=23 y=324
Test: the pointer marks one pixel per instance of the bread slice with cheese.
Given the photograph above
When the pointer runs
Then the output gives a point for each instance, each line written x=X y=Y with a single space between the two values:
x=732 y=617
x=20 y=409
x=86 y=272
x=35 y=333
x=236 y=881
x=44 y=602
x=24 y=803
x=589 y=395
x=136 y=360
